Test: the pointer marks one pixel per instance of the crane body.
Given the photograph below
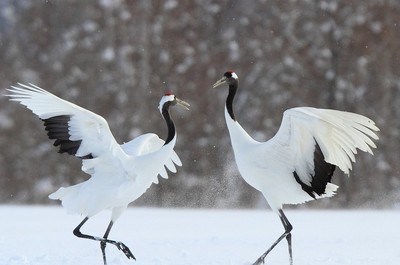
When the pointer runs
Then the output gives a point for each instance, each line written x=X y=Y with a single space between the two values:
x=119 y=173
x=297 y=164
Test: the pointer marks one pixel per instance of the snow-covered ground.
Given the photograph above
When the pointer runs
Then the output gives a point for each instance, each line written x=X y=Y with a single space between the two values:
x=43 y=235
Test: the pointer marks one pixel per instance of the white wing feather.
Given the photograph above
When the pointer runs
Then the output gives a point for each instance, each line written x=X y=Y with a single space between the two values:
x=148 y=143
x=339 y=134
x=132 y=163
x=143 y=144
x=84 y=125
x=89 y=127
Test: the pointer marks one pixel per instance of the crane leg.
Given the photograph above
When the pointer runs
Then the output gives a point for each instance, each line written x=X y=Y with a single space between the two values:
x=103 y=244
x=104 y=240
x=288 y=228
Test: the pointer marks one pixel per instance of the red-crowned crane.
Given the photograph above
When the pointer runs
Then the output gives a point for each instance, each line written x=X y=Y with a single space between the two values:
x=297 y=164
x=119 y=173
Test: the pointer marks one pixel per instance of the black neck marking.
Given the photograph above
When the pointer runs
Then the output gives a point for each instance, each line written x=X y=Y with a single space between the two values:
x=169 y=121
x=323 y=172
x=229 y=100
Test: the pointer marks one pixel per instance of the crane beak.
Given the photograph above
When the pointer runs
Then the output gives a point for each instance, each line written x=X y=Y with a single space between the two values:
x=182 y=103
x=222 y=81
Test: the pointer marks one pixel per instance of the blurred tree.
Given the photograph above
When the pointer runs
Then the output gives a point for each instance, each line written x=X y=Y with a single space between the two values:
x=114 y=58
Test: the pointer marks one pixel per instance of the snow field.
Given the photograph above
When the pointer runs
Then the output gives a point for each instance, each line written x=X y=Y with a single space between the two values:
x=43 y=235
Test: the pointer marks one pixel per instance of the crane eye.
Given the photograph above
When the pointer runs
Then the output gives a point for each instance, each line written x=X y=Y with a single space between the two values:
x=228 y=74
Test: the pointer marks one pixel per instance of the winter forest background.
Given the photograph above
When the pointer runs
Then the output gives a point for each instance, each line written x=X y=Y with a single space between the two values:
x=112 y=57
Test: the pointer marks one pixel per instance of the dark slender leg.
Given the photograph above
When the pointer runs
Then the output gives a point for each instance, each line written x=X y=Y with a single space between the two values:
x=104 y=244
x=121 y=246
x=288 y=228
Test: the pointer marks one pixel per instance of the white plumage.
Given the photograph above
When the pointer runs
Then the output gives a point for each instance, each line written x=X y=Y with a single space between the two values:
x=297 y=164
x=262 y=164
x=119 y=173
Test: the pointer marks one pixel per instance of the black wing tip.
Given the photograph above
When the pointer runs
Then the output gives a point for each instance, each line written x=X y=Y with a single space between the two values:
x=304 y=186
x=67 y=146
x=323 y=172
x=57 y=128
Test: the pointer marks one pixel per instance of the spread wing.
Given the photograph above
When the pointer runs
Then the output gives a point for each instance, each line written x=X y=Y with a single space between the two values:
x=149 y=143
x=319 y=140
x=76 y=131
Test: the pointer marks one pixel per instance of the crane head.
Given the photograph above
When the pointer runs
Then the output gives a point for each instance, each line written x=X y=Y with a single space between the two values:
x=169 y=99
x=230 y=77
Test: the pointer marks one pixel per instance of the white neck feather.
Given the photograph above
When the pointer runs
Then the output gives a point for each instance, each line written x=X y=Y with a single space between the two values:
x=239 y=137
